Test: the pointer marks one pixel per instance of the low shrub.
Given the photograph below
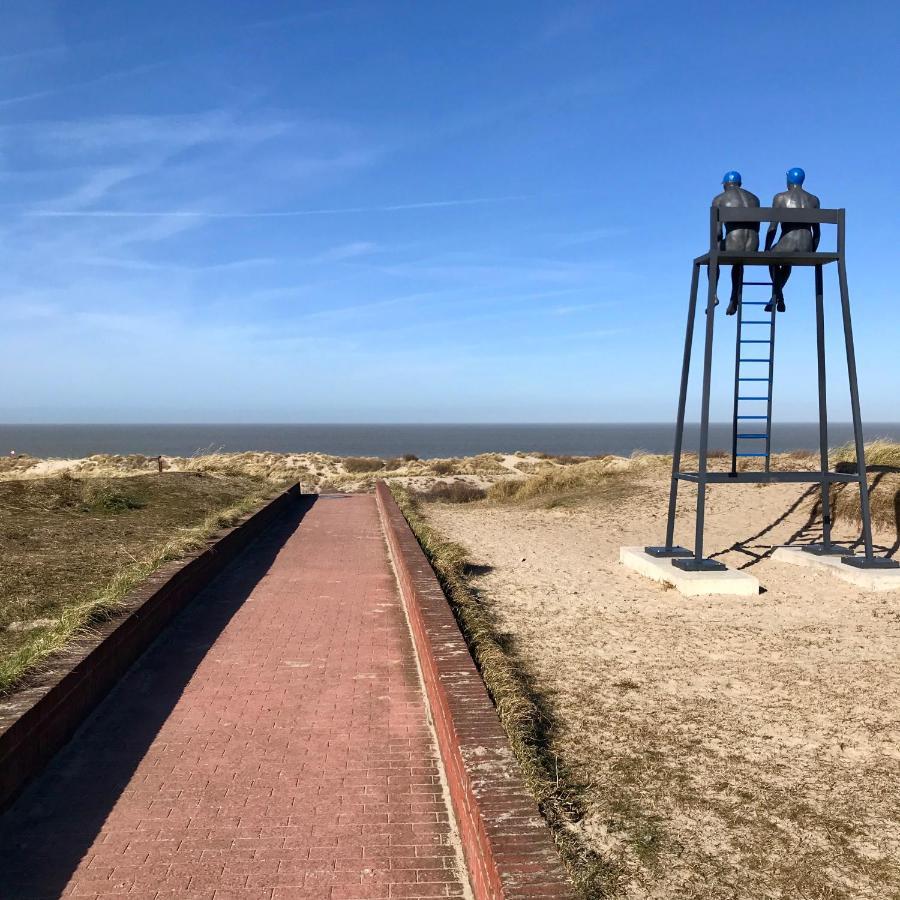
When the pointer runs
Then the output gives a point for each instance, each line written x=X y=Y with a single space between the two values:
x=443 y=466
x=357 y=464
x=452 y=492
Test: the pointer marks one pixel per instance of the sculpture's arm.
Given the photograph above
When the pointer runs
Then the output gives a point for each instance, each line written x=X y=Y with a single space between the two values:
x=770 y=235
x=721 y=227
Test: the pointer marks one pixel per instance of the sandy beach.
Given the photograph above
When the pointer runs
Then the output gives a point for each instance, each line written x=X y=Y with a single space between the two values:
x=723 y=747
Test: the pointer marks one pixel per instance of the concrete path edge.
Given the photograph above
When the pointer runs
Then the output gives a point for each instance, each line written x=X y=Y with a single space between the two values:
x=37 y=722
x=507 y=845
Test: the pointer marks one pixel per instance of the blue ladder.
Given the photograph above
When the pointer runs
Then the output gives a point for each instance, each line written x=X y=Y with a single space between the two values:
x=753 y=384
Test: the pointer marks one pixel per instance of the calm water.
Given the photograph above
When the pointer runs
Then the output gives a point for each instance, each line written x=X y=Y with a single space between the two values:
x=393 y=440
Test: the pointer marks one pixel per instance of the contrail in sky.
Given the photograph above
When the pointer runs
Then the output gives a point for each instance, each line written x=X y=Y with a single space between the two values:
x=271 y=214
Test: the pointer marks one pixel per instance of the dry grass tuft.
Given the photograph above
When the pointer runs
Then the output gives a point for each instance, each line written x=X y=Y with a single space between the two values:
x=592 y=481
x=880 y=453
x=452 y=492
x=883 y=466
x=884 y=502
x=526 y=721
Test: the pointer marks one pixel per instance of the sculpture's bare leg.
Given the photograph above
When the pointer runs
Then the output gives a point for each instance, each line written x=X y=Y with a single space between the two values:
x=717 y=285
x=737 y=278
x=779 y=275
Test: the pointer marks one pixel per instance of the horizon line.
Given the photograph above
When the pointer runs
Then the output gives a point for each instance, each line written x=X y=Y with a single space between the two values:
x=364 y=424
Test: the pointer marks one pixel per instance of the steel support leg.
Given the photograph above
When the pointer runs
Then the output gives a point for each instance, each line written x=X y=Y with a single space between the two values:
x=737 y=383
x=670 y=549
x=826 y=547
x=771 y=391
x=869 y=561
x=697 y=563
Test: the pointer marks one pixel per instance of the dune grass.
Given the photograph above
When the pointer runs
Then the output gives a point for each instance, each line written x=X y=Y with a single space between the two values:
x=71 y=549
x=883 y=468
x=524 y=718
x=570 y=485
x=452 y=492
x=880 y=453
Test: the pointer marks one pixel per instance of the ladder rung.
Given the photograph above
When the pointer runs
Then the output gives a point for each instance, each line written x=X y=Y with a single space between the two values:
x=751 y=417
x=755 y=302
x=753 y=359
x=769 y=283
x=752 y=436
x=754 y=341
x=751 y=454
x=753 y=398
x=753 y=379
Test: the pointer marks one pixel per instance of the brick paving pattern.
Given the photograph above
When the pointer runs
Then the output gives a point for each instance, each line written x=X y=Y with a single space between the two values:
x=273 y=743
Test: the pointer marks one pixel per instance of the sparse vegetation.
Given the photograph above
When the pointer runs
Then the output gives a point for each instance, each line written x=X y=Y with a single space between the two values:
x=71 y=548
x=19 y=463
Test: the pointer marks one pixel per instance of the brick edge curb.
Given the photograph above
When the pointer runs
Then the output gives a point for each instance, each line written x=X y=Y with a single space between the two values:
x=36 y=722
x=507 y=846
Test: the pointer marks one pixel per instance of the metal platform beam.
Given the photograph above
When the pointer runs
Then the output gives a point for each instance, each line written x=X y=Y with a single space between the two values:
x=768 y=477
x=770 y=258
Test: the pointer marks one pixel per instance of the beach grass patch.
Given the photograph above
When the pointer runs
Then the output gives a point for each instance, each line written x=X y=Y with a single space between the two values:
x=72 y=548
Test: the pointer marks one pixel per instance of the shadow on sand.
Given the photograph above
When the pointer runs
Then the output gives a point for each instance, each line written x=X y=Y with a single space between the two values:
x=756 y=549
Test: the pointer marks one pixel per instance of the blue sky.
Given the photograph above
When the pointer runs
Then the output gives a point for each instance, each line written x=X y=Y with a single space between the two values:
x=419 y=212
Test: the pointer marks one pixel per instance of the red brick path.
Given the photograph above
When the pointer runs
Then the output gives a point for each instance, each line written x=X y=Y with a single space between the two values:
x=273 y=743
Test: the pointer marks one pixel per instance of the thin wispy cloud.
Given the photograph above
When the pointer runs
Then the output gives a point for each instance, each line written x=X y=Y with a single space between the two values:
x=75 y=85
x=35 y=53
x=303 y=18
x=269 y=214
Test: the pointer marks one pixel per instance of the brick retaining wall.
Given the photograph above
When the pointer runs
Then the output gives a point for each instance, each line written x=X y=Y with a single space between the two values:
x=508 y=848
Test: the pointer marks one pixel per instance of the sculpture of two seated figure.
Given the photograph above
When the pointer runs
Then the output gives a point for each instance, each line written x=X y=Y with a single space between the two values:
x=743 y=237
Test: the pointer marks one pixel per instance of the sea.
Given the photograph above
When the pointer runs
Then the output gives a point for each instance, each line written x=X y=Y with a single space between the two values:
x=425 y=441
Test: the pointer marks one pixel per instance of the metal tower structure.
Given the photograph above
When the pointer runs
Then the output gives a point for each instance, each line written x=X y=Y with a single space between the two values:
x=756 y=351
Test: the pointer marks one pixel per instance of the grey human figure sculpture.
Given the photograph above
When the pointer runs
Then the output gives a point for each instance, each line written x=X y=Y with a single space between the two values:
x=795 y=237
x=739 y=236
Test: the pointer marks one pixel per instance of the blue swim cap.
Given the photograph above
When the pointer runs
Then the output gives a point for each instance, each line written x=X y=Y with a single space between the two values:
x=731 y=178
x=796 y=176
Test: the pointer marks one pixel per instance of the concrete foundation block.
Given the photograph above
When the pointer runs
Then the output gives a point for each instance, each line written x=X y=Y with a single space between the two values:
x=865 y=579
x=691 y=584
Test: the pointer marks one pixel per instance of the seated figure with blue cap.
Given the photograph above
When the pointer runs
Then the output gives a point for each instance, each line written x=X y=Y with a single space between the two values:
x=795 y=237
x=739 y=236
